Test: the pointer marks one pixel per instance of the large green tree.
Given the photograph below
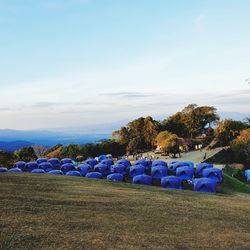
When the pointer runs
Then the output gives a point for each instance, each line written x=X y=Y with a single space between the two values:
x=25 y=154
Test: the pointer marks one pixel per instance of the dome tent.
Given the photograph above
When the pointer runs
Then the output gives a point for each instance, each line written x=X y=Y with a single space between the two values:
x=102 y=157
x=3 y=170
x=84 y=169
x=102 y=168
x=38 y=171
x=247 y=175
x=142 y=179
x=146 y=163
x=73 y=173
x=15 y=170
x=115 y=177
x=107 y=162
x=125 y=162
x=67 y=167
x=171 y=182
x=46 y=166
x=200 y=167
x=213 y=173
x=185 y=173
x=91 y=162
x=119 y=168
x=41 y=160
x=30 y=166
x=20 y=164
x=159 y=163
x=159 y=171
x=66 y=160
x=56 y=172
x=94 y=175
x=173 y=166
x=204 y=185
x=136 y=170
x=54 y=162
x=190 y=163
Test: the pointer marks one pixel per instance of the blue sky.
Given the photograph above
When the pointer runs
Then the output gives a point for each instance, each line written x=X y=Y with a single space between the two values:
x=72 y=63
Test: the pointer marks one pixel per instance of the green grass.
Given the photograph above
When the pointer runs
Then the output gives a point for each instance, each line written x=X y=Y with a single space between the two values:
x=57 y=212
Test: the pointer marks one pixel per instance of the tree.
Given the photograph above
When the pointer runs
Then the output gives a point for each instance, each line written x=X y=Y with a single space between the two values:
x=168 y=142
x=227 y=131
x=241 y=147
x=71 y=151
x=25 y=154
x=6 y=159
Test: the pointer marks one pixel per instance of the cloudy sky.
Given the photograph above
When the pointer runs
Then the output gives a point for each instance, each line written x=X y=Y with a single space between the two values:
x=70 y=63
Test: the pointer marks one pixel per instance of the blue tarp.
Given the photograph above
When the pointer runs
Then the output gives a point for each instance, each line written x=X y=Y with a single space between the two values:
x=185 y=173
x=247 y=175
x=205 y=185
x=115 y=177
x=119 y=168
x=59 y=172
x=159 y=163
x=200 y=167
x=20 y=164
x=142 y=179
x=15 y=170
x=159 y=171
x=92 y=162
x=102 y=168
x=171 y=182
x=38 y=171
x=136 y=170
x=94 y=175
x=84 y=169
x=73 y=173
x=30 y=166
x=3 y=170
x=213 y=173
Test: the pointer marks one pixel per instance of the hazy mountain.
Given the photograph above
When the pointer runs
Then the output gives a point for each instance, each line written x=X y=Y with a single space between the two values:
x=13 y=145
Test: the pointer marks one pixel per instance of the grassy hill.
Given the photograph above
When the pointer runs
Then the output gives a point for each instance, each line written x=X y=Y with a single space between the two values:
x=51 y=212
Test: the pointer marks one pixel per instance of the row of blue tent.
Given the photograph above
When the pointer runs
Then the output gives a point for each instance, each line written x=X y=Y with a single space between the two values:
x=203 y=178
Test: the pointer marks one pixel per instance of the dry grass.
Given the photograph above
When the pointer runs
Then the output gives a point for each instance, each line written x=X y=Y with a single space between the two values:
x=56 y=212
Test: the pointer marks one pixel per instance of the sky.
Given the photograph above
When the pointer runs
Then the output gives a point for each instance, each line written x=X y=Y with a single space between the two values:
x=73 y=63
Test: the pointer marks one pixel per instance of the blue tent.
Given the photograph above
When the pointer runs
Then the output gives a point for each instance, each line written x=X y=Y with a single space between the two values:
x=41 y=160
x=30 y=166
x=46 y=166
x=67 y=167
x=204 y=185
x=136 y=170
x=190 y=163
x=38 y=171
x=3 y=170
x=15 y=170
x=102 y=168
x=91 y=162
x=125 y=162
x=146 y=163
x=115 y=177
x=173 y=166
x=247 y=175
x=73 y=173
x=54 y=162
x=159 y=163
x=185 y=173
x=142 y=179
x=200 y=167
x=84 y=169
x=159 y=171
x=94 y=175
x=171 y=182
x=102 y=157
x=119 y=168
x=59 y=172
x=66 y=160
x=108 y=162
x=20 y=164
x=213 y=173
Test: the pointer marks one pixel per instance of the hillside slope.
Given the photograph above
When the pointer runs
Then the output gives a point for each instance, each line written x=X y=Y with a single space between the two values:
x=51 y=212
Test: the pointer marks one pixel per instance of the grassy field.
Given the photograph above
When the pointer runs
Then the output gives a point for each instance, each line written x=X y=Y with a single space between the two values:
x=57 y=212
